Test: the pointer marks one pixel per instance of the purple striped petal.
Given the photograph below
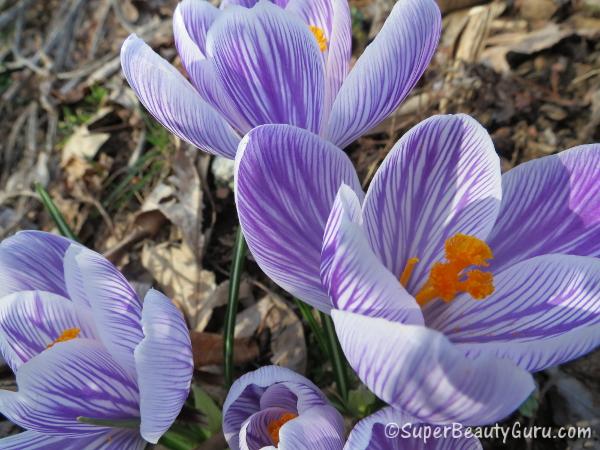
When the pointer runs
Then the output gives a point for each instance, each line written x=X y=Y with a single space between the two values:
x=319 y=428
x=111 y=440
x=269 y=62
x=387 y=71
x=419 y=371
x=354 y=277
x=172 y=101
x=191 y=21
x=164 y=365
x=73 y=379
x=254 y=433
x=544 y=311
x=251 y=3
x=549 y=205
x=256 y=390
x=370 y=434
x=116 y=308
x=286 y=182
x=32 y=260
x=442 y=178
x=30 y=321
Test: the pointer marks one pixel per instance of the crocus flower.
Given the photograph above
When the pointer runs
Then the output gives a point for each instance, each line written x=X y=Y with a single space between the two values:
x=274 y=407
x=259 y=62
x=95 y=368
x=448 y=283
x=389 y=429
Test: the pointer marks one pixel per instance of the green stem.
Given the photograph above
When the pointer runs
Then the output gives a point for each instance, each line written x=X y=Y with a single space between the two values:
x=237 y=266
x=307 y=313
x=114 y=423
x=54 y=212
x=338 y=360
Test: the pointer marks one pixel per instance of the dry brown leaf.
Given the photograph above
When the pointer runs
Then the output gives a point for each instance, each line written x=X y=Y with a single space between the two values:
x=84 y=144
x=287 y=335
x=176 y=268
x=179 y=198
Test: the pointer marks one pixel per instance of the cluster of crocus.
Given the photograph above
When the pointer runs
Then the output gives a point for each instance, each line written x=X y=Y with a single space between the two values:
x=95 y=367
x=274 y=407
x=448 y=283
x=257 y=62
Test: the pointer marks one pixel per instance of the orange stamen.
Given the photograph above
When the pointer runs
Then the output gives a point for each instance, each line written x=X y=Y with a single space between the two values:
x=408 y=270
x=448 y=279
x=275 y=425
x=319 y=35
x=67 y=335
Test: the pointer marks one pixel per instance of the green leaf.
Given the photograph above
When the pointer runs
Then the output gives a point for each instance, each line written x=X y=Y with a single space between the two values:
x=207 y=406
x=237 y=267
x=361 y=402
x=530 y=406
x=338 y=361
x=176 y=441
x=54 y=212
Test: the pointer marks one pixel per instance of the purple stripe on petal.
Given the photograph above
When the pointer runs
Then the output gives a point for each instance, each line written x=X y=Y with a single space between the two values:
x=370 y=434
x=286 y=182
x=254 y=434
x=71 y=379
x=269 y=62
x=354 y=277
x=30 y=321
x=116 y=308
x=549 y=205
x=164 y=365
x=442 y=178
x=33 y=260
x=544 y=311
x=191 y=21
x=387 y=71
x=319 y=428
x=111 y=440
x=419 y=371
x=172 y=100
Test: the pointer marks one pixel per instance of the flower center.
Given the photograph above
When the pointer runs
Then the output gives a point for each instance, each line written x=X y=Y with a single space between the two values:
x=67 y=335
x=450 y=278
x=319 y=35
x=275 y=425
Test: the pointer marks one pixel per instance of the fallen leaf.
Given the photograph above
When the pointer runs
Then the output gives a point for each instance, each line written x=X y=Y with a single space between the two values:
x=287 y=335
x=175 y=267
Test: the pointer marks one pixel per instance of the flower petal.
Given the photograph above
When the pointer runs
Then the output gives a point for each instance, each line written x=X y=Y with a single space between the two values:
x=354 y=277
x=173 y=101
x=71 y=379
x=442 y=178
x=387 y=71
x=115 y=307
x=111 y=440
x=319 y=428
x=246 y=397
x=549 y=205
x=544 y=311
x=286 y=181
x=269 y=62
x=376 y=432
x=191 y=21
x=254 y=433
x=419 y=371
x=32 y=260
x=30 y=321
x=164 y=375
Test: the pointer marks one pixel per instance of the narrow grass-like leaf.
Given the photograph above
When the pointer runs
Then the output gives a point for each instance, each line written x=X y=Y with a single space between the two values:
x=55 y=213
x=237 y=266
x=307 y=314
x=338 y=360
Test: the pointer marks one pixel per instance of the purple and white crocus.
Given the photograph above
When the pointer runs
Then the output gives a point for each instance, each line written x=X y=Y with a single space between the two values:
x=95 y=367
x=274 y=407
x=448 y=283
x=286 y=62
